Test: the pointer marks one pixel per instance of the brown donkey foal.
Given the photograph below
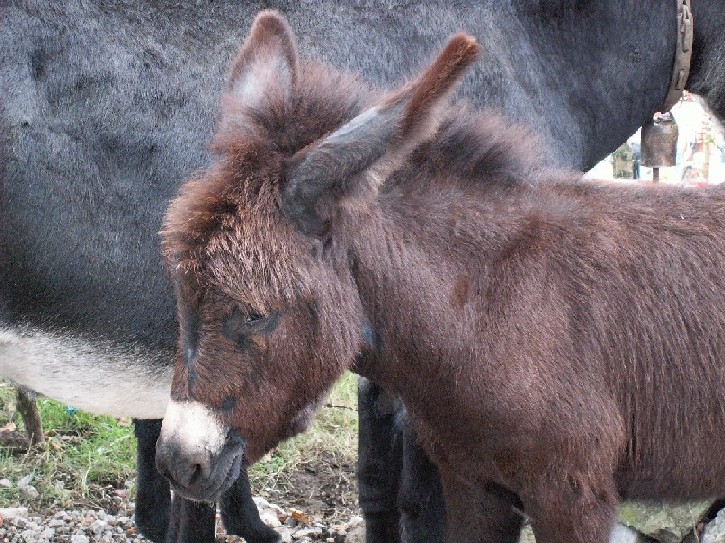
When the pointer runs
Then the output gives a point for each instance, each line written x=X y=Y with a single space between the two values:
x=558 y=343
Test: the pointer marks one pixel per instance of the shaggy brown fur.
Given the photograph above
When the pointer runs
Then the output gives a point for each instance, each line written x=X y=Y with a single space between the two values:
x=562 y=340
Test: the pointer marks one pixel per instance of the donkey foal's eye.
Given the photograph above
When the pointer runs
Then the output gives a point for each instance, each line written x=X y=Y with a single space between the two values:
x=241 y=323
x=253 y=316
x=245 y=323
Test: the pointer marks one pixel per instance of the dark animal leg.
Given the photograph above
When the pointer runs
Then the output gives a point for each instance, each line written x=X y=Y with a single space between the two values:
x=422 y=508
x=31 y=417
x=191 y=522
x=695 y=535
x=153 y=497
x=379 y=463
x=476 y=513
x=240 y=514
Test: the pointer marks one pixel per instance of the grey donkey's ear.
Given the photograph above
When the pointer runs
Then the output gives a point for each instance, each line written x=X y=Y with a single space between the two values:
x=375 y=142
x=266 y=63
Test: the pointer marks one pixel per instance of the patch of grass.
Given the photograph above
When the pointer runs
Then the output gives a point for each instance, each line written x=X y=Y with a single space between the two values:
x=82 y=454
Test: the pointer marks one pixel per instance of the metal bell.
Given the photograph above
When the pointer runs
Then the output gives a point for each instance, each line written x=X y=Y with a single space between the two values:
x=659 y=141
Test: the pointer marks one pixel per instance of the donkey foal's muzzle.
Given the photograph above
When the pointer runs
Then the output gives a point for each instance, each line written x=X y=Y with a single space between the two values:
x=199 y=455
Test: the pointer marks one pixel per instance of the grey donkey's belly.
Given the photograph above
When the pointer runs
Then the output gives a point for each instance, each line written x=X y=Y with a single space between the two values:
x=98 y=376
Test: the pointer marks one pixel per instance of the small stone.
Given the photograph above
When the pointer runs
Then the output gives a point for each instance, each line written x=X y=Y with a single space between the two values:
x=285 y=534
x=715 y=530
x=282 y=515
x=9 y=513
x=98 y=526
x=79 y=538
x=355 y=534
x=307 y=533
x=29 y=536
x=6 y=483
x=29 y=492
x=269 y=517
x=25 y=481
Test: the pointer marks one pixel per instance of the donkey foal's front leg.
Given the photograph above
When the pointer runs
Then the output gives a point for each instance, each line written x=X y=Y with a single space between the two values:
x=480 y=515
x=571 y=507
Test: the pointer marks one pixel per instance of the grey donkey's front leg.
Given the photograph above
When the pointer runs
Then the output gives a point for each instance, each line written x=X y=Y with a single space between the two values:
x=379 y=462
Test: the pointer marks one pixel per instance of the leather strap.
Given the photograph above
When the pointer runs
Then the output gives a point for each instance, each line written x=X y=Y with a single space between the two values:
x=683 y=54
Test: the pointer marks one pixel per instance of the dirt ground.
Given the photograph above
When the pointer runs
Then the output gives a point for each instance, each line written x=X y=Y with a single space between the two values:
x=325 y=490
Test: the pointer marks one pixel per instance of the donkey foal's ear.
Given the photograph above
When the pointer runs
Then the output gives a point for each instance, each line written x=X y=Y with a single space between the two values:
x=375 y=143
x=267 y=61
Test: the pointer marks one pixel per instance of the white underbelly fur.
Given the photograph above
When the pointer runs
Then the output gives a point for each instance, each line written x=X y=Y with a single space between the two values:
x=101 y=377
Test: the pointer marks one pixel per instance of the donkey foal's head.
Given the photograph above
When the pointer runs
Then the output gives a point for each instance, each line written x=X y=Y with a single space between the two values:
x=269 y=311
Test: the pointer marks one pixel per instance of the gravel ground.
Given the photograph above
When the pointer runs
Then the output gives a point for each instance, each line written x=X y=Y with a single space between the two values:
x=17 y=525
x=72 y=526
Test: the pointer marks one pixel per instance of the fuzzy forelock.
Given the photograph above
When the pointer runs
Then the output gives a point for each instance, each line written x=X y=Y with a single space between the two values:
x=252 y=147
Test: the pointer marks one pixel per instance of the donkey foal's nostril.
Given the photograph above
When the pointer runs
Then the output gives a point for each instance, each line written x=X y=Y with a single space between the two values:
x=184 y=470
x=196 y=474
x=189 y=471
